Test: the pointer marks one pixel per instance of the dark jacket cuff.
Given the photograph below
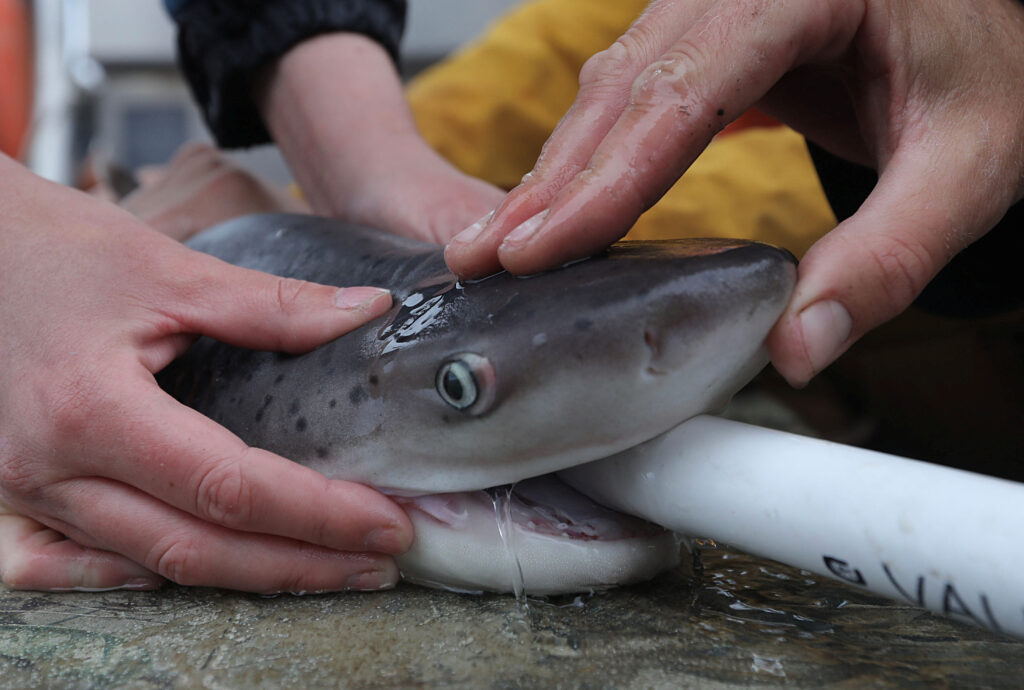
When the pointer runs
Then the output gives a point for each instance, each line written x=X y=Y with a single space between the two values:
x=223 y=43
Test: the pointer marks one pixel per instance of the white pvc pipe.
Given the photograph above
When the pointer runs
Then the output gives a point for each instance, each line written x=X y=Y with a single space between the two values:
x=944 y=539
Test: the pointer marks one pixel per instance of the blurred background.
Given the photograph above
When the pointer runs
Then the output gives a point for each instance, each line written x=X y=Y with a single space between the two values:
x=104 y=81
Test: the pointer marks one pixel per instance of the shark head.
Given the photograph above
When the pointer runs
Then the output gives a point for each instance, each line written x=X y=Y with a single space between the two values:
x=473 y=385
x=467 y=386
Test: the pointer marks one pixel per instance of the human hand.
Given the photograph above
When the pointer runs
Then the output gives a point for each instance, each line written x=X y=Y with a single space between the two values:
x=201 y=187
x=929 y=94
x=33 y=556
x=336 y=109
x=93 y=304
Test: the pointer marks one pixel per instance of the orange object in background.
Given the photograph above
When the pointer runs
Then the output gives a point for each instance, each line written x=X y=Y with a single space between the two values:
x=15 y=74
x=749 y=119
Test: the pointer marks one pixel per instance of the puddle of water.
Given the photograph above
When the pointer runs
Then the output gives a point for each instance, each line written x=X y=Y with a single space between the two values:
x=768 y=665
x=751 y=591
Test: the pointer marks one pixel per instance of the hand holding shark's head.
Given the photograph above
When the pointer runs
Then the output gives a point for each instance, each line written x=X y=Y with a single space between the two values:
x=467 y=386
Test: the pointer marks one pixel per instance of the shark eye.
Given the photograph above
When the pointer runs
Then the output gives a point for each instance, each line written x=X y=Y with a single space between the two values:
x=466 y=382
x=456 y=385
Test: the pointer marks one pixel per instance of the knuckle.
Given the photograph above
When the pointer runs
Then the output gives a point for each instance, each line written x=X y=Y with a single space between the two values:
x=297 y=579
x=289 y=294
x=73 y=405
x=20 y=476
x=905 y=268
x=321 y=529
x=180 y=560
x=233 y=180
x=623 y=58
x=669 y=80
x=606 y=66
x=224 y=495
x=196 y=149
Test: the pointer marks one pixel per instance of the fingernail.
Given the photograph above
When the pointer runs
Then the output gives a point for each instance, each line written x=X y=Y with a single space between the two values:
x=140 y=583
x=525 y=230
x=387 y=540
x=469 y=235
x=361 y=298
x=825 y=326
x=134 y=584
x=372 y=580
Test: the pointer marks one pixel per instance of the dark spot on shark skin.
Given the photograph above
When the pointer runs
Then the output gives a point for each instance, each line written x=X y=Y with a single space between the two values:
x=321 y=452
x=374 y=380
x=333 y=403
x=259 y=415
x=301 y=424
x=446 y=419
x=294 y=407
x=279 y=379
x=357 y=395
x=267 y=399
x=583 y=324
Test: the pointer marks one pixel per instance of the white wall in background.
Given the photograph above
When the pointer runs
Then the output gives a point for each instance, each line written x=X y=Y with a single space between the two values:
x=436 y=27
x=139 y=30
x=130 y=31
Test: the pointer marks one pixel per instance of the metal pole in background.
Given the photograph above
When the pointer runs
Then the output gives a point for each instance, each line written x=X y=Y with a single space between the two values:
x=65 y=75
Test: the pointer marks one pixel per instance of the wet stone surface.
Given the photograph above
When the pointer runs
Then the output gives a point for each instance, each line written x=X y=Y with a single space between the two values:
x=741 y=622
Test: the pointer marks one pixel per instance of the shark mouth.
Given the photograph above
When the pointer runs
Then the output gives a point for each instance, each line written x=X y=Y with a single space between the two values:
x=538 y=536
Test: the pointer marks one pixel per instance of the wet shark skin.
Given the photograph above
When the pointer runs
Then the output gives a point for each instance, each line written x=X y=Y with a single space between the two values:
x=584 y=362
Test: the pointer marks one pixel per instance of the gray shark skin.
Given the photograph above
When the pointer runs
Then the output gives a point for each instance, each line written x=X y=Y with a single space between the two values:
x=464 y=386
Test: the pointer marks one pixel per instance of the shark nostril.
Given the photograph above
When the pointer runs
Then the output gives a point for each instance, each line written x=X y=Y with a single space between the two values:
x=653 y=341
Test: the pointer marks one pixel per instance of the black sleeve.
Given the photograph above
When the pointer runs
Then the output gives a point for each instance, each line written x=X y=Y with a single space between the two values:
x=982 y=280
x=222 y=44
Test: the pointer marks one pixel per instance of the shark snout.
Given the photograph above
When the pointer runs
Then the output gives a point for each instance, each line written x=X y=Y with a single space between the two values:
x=717 y=317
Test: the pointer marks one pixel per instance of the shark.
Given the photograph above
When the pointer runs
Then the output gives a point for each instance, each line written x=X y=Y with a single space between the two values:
x=466 y=399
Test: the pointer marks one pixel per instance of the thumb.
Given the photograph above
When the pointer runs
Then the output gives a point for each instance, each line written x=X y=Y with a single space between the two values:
x=873 y=265
x=257 y=310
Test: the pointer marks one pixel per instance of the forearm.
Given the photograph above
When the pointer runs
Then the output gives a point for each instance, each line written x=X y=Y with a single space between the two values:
x=335 y=106
x=223 y=45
